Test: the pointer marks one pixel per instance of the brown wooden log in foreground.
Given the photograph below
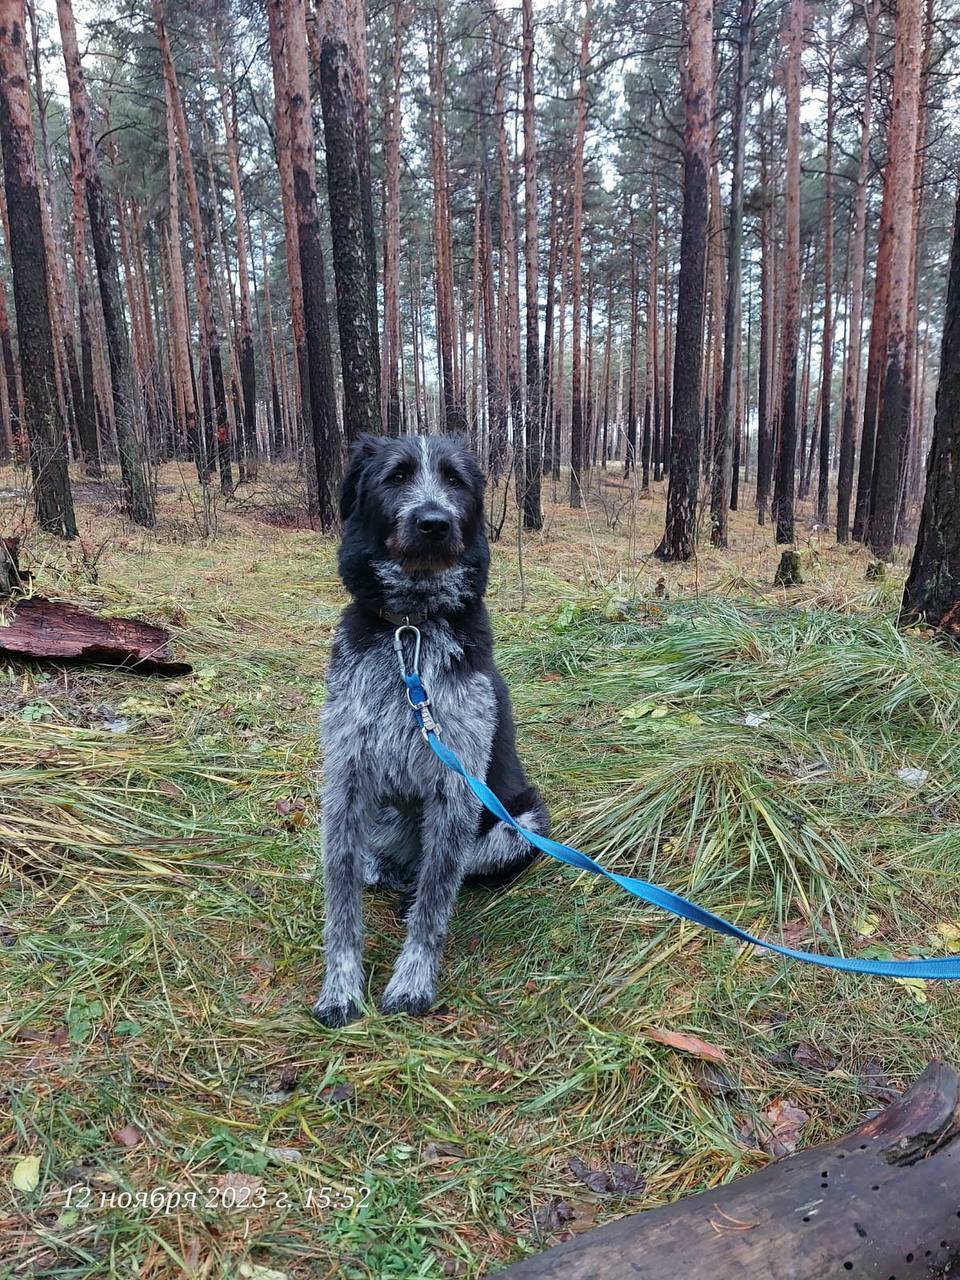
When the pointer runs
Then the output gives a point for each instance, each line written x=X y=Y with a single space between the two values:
x=63 y=632
x=881 y=1202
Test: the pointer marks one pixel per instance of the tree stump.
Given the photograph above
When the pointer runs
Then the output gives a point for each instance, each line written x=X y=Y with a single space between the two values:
x=882 y=1202
x=788 y=571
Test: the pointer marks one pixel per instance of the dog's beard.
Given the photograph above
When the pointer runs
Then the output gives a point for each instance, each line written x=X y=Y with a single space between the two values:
x=418 y=556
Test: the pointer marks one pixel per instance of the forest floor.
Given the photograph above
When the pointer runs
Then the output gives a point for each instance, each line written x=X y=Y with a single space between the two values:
x=788 y=757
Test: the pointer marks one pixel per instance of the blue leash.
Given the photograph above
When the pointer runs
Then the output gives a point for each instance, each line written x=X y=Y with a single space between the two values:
x=938 y=967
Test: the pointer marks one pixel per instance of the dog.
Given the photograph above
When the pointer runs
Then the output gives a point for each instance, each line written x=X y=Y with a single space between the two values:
x=413 y=550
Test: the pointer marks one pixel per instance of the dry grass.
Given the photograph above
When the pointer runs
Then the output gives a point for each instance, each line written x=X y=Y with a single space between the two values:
x=159 y=905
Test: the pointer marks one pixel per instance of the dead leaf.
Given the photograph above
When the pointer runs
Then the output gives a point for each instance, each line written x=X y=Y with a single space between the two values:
x=875 y=1083
x=619 y=1179
x=128 y=1136
x=785 y=1120
x=338 y=1093
x=686 y=1043
x=595 y=1179
x=809 y=1056
x=553 y=1215
x=434 y=1152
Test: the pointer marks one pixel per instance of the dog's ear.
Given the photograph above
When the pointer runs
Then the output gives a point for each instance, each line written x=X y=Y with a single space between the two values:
x=361 y=451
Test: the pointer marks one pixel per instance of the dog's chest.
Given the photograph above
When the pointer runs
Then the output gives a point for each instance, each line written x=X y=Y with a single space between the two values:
x=368 y=720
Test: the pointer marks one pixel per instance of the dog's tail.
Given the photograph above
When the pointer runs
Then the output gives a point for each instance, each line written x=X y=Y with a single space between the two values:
x=502 y=853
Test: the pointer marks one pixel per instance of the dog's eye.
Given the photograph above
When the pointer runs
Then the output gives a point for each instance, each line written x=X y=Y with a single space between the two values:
x=454 y=481
x=399 y=476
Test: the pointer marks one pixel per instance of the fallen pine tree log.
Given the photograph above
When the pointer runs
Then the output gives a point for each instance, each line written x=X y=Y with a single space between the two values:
x=54 y=630
x=882 y=1202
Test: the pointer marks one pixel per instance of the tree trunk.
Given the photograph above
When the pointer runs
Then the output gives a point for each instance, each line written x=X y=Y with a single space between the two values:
x=355 y=12
x=246 y=359
x=765 y=361
x=548 y=309
x=858 y=239
x=85 y=406
x=933 y=586
x=13 y=422
x=576 y=371
x=630 y=453
x=496 y=400
x=198 y=441
x=697 y=86
x=509 y=275
x=312 y=274
x=879 y=1202
x=532 y=510
x=454 y=413
x=211 y=373
x=727 y=411
x=826 y=366
x=57 y=283
x=138 y=495
x=390 y=385
x=358 y=354
x=45 y=427
x=894 y=408
x=785 y=479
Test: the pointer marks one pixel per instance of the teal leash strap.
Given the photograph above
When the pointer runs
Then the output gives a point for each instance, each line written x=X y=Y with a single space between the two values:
x=943 y=967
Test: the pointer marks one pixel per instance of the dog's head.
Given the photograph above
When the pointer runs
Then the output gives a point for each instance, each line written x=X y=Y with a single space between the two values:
x=416 y=503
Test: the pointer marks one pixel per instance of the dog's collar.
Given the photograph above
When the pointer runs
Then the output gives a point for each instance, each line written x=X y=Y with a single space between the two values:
x=402 y=619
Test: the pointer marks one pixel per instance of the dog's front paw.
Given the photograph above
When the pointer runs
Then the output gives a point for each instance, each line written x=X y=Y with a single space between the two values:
x=335 y=1011
x=413 y=1003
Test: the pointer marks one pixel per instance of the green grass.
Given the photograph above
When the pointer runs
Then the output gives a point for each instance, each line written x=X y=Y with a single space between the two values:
x=160 y=918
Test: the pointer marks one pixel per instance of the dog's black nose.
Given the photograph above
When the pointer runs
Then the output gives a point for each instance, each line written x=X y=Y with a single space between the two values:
x=433 y=525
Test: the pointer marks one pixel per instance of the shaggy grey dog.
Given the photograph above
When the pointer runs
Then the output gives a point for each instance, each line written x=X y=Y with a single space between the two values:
x=413 y=549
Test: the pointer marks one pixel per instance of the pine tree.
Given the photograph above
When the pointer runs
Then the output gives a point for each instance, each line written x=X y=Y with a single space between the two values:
x=697 y=87
x=28 y=259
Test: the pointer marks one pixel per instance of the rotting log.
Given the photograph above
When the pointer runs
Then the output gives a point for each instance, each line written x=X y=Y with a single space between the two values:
x=37 y=628
x=882 y=1202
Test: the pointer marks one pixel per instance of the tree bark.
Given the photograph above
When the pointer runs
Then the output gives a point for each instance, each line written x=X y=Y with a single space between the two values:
x=312 y=273
x=556 y=217
x=138 y=494
x=765 y=371
x=727 y=411
x=47 y=441
x=358 y=354
x=785 y=478
x=211 y=373
x=284 y=152
x=390 y=384
x=576 y=359
x=496 y=399
x=533 y=467
x=85 y=408
x=246 y=359
x=879 y=1202
x=454 y=412
x=509 y=275
x=893 y=407
x=932 y=591
x=826 y=366
x=858 y=253
x=57 y=630
x=356 y=27
x=697 y=86
x=201 y=448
